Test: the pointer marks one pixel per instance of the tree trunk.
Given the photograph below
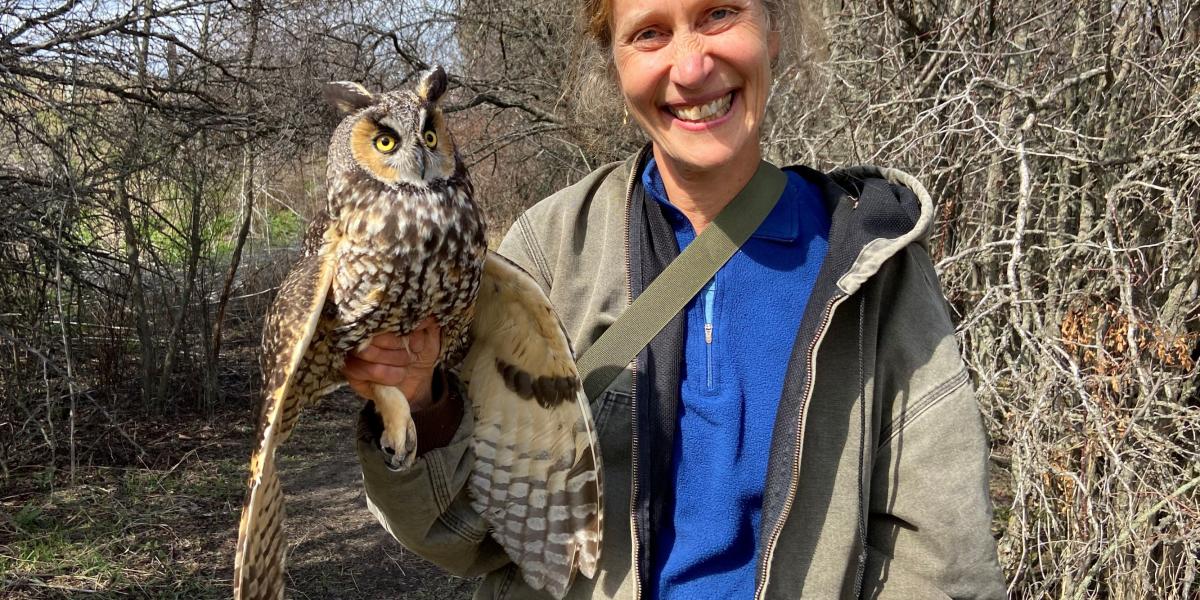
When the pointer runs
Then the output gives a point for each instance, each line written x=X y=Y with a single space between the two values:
x=247 y=213
x=137 y=289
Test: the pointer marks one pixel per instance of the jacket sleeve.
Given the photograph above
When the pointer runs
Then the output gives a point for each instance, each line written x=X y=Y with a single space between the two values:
x=425 y=507
x=929 y=523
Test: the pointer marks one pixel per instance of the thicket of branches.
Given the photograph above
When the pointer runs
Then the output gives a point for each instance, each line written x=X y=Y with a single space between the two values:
x=1062 y=143
x=160 y=157
x=157 y=155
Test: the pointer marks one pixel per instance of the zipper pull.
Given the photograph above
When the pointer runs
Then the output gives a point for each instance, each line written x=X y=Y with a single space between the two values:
x=708 y=333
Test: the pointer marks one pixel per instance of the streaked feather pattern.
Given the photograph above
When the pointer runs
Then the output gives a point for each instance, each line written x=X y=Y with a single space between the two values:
x=403 y=239
x=259 y=558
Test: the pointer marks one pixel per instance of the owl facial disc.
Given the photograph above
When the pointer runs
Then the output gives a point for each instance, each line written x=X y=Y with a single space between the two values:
x=395 y=138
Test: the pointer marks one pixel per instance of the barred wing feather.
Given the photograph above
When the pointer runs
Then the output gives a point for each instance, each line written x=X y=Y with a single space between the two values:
x=536 y=475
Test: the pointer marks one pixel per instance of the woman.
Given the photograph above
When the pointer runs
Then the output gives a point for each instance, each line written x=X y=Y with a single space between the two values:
x=805 y=427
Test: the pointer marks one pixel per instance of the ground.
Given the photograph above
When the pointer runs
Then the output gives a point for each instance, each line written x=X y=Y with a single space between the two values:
x=166 y=527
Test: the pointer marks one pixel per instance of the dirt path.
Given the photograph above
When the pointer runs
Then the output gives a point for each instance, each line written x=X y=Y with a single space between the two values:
x=162 y=522
x=336 y=548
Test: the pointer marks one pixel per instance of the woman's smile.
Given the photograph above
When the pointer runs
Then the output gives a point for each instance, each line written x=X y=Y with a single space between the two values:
x=702 y=110
x=700 y=115
x=695 y=75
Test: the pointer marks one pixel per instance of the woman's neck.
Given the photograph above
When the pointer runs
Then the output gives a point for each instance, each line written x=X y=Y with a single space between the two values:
x=701 y=194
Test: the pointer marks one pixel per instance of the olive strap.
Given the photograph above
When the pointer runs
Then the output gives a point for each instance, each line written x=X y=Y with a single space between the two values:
x=670 y=292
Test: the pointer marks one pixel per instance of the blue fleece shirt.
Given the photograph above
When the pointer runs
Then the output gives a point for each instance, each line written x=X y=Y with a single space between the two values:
x=738 y=339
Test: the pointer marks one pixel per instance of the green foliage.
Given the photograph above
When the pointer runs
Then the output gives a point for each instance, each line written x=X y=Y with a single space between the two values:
x=61 y=545
x=28 y=518
x=218 y=236
x=285 y=227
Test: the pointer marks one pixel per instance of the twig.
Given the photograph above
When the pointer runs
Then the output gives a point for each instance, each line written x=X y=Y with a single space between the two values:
x=1112 y=548
x=4 y=333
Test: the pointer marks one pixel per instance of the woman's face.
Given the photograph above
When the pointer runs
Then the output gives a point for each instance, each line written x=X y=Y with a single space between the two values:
x=695 y=75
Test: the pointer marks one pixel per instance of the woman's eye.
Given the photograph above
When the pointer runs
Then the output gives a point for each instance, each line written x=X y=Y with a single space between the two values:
x=720 y=13
x=647 y=35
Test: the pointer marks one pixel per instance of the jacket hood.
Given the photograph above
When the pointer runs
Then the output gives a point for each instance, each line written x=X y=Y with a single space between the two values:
x=877 y=212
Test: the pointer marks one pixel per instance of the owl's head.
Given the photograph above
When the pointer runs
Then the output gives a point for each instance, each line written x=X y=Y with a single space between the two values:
x=395 y=138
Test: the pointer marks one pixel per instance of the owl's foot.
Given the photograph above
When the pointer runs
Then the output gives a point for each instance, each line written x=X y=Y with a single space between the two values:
x=399 y=438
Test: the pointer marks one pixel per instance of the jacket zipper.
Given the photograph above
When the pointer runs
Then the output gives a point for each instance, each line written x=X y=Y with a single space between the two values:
x=633 y=487
x=709 y=292
x=764 y=569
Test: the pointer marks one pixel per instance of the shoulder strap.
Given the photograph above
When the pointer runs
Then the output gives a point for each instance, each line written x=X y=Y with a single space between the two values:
x=681 y=280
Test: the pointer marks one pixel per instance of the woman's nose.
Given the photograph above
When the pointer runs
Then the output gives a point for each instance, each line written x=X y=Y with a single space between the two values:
x=692 y=63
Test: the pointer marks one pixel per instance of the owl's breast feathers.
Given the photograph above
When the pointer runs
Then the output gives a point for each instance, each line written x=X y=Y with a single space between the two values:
x=404 y=252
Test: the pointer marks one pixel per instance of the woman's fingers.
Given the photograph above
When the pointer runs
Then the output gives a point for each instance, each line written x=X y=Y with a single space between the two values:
x=375 y=372
x=406 y=362
x=377 y=353
x=362 y=387
x=424 y=342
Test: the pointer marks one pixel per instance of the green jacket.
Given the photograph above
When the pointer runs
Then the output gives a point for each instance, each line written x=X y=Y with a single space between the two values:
x=877 y=479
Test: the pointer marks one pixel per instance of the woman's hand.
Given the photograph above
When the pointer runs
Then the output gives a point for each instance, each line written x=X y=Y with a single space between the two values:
x=405 y=362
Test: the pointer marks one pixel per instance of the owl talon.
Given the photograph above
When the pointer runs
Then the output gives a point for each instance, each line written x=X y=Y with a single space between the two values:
x=401 y=450
x=399 y=438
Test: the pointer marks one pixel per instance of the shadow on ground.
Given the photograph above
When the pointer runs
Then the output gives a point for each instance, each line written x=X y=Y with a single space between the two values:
x=336 y=548
x=164 y=524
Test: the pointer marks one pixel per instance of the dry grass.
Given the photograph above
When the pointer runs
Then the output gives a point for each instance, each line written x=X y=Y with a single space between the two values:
x=166 y=528
x=128 y=530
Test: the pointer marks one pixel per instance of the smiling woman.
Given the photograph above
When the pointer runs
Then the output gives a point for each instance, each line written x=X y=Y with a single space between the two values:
x=805 y=425
x=696 y=76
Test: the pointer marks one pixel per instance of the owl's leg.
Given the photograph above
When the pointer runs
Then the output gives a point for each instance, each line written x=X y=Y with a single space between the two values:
x=399 y=437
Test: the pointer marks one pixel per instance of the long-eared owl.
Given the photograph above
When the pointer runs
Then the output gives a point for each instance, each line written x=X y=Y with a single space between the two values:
x=401 y=240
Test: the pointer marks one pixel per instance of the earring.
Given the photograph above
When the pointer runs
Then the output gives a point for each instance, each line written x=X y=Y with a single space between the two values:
x=625 y=119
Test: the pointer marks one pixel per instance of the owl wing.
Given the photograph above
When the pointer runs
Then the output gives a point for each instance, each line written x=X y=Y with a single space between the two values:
x=287 y=336
x=536 y=475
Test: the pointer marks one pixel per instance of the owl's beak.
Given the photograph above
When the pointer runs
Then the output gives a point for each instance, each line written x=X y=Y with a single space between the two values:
x=419 y=158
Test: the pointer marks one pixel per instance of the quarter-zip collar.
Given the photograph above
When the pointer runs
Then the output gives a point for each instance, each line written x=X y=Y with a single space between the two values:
x=781 y=225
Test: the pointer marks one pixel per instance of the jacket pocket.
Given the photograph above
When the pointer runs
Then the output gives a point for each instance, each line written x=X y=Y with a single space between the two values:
x=887 y=579
x=605 y=405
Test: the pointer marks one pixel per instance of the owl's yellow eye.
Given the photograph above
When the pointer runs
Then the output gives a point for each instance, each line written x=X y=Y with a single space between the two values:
x=430 y=139
x=385 y=143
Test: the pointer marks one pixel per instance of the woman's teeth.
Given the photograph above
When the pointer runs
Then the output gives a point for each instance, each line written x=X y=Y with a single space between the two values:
x=704 y=112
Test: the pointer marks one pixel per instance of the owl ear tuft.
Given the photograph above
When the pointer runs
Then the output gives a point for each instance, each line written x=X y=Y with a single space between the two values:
x=433 y=84
x=347 y=96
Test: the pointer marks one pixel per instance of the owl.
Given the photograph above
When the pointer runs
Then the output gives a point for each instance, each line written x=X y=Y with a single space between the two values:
x=402 y=239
